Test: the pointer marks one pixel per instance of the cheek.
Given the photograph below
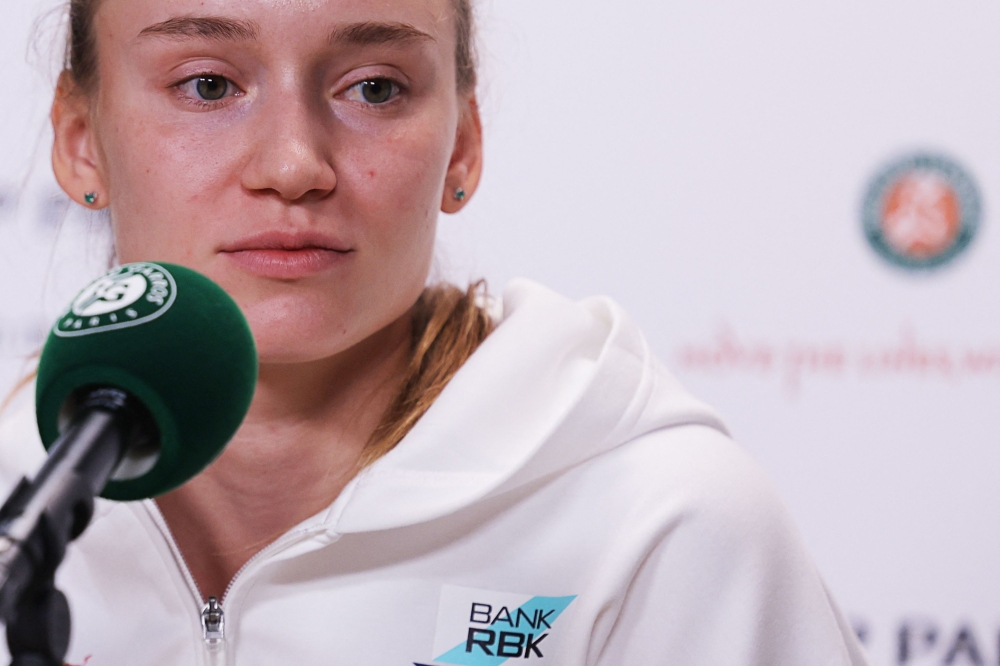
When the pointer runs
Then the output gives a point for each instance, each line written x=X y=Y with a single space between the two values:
x=398 y=180
x=164 y=182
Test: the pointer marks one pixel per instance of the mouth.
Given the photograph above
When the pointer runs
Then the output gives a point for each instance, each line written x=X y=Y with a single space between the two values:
x=287 y=256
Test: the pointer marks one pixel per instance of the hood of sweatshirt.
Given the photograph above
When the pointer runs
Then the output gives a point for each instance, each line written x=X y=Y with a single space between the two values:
x=555 y=384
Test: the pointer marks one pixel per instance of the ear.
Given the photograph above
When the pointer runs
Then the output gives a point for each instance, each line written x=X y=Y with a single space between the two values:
x=74 y=158
x=466 y=161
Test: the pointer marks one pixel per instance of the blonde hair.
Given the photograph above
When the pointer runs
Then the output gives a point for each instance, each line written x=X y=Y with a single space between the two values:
x=448 y=326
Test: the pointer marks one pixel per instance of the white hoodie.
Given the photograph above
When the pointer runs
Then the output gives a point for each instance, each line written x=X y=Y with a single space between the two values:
x=564 y=502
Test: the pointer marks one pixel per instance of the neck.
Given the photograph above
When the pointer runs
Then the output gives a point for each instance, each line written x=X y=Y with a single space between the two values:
x=295 y=452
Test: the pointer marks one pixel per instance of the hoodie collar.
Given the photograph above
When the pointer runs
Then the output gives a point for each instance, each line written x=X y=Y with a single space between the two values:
x=555 y=384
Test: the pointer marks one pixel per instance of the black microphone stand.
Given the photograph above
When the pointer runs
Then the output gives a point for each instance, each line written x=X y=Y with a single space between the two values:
x=42 y=516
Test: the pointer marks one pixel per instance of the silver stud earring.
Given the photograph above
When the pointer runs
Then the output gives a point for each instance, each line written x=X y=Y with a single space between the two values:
x=90 y=198
x=459 y=194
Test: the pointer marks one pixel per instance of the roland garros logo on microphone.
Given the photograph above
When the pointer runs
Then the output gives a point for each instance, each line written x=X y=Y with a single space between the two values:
x=922 y=211
x=129 y=295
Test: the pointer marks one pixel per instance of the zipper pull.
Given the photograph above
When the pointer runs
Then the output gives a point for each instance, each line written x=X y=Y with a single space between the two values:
x=213 y=623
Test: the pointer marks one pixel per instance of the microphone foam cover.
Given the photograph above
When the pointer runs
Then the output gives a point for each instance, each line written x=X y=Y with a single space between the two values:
x=171 y=338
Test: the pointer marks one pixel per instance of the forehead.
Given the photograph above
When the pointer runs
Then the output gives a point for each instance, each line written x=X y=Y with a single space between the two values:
x=280 y=19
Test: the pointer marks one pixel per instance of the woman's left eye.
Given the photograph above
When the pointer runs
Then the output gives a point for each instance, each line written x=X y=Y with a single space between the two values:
x=209 y=88
x=373 y=91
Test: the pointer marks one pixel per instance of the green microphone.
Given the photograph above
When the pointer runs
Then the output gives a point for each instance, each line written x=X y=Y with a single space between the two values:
x=177 y=345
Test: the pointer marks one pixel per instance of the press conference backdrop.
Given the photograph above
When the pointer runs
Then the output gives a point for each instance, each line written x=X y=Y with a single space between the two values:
x=796 y=201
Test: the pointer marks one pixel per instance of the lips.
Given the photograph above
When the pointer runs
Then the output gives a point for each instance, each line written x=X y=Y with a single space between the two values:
x=287 y=256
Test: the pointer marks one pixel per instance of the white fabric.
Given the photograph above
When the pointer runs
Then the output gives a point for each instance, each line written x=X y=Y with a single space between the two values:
x=562 y=472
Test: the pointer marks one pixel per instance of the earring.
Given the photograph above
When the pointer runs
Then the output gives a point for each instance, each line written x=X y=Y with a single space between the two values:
x=459 y=194
x=90 y=198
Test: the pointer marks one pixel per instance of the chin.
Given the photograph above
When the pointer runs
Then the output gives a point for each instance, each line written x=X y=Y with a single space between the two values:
x=298 y=343
x=309 y=325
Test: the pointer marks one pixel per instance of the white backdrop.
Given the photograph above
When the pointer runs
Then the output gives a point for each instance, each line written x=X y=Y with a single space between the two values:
x=705 y=163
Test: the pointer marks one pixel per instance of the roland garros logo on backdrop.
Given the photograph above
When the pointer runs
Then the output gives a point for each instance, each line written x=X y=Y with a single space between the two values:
x=921 y=211
x=127 y=296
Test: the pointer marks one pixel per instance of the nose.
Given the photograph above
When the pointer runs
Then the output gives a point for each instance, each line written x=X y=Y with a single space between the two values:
x=292 y=155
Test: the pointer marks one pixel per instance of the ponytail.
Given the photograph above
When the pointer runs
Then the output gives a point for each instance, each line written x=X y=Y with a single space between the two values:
x=448 y=326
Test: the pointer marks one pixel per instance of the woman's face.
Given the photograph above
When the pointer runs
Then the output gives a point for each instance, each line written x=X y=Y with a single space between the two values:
x=295 y=151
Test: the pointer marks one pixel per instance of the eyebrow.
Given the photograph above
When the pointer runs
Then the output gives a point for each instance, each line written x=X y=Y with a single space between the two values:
x=370 y=32
x=210 y=27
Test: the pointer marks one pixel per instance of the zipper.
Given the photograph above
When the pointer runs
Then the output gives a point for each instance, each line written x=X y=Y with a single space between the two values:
x=213 y=627
x=213 y=623
x=212 y=613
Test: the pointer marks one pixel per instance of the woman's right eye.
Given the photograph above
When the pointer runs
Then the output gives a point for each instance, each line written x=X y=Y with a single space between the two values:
x=208 y=88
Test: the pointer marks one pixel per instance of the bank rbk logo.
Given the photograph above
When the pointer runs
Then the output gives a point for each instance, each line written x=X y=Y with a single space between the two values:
x=486 y=628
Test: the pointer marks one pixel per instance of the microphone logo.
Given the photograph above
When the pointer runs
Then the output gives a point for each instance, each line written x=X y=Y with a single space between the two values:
x=127 y=296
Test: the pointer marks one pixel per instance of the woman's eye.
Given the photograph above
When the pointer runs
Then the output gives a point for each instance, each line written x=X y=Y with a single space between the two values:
x=209 y=88
x=373 y=91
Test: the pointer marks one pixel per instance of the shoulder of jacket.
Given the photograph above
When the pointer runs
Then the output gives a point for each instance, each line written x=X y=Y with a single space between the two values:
x=696 y=474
